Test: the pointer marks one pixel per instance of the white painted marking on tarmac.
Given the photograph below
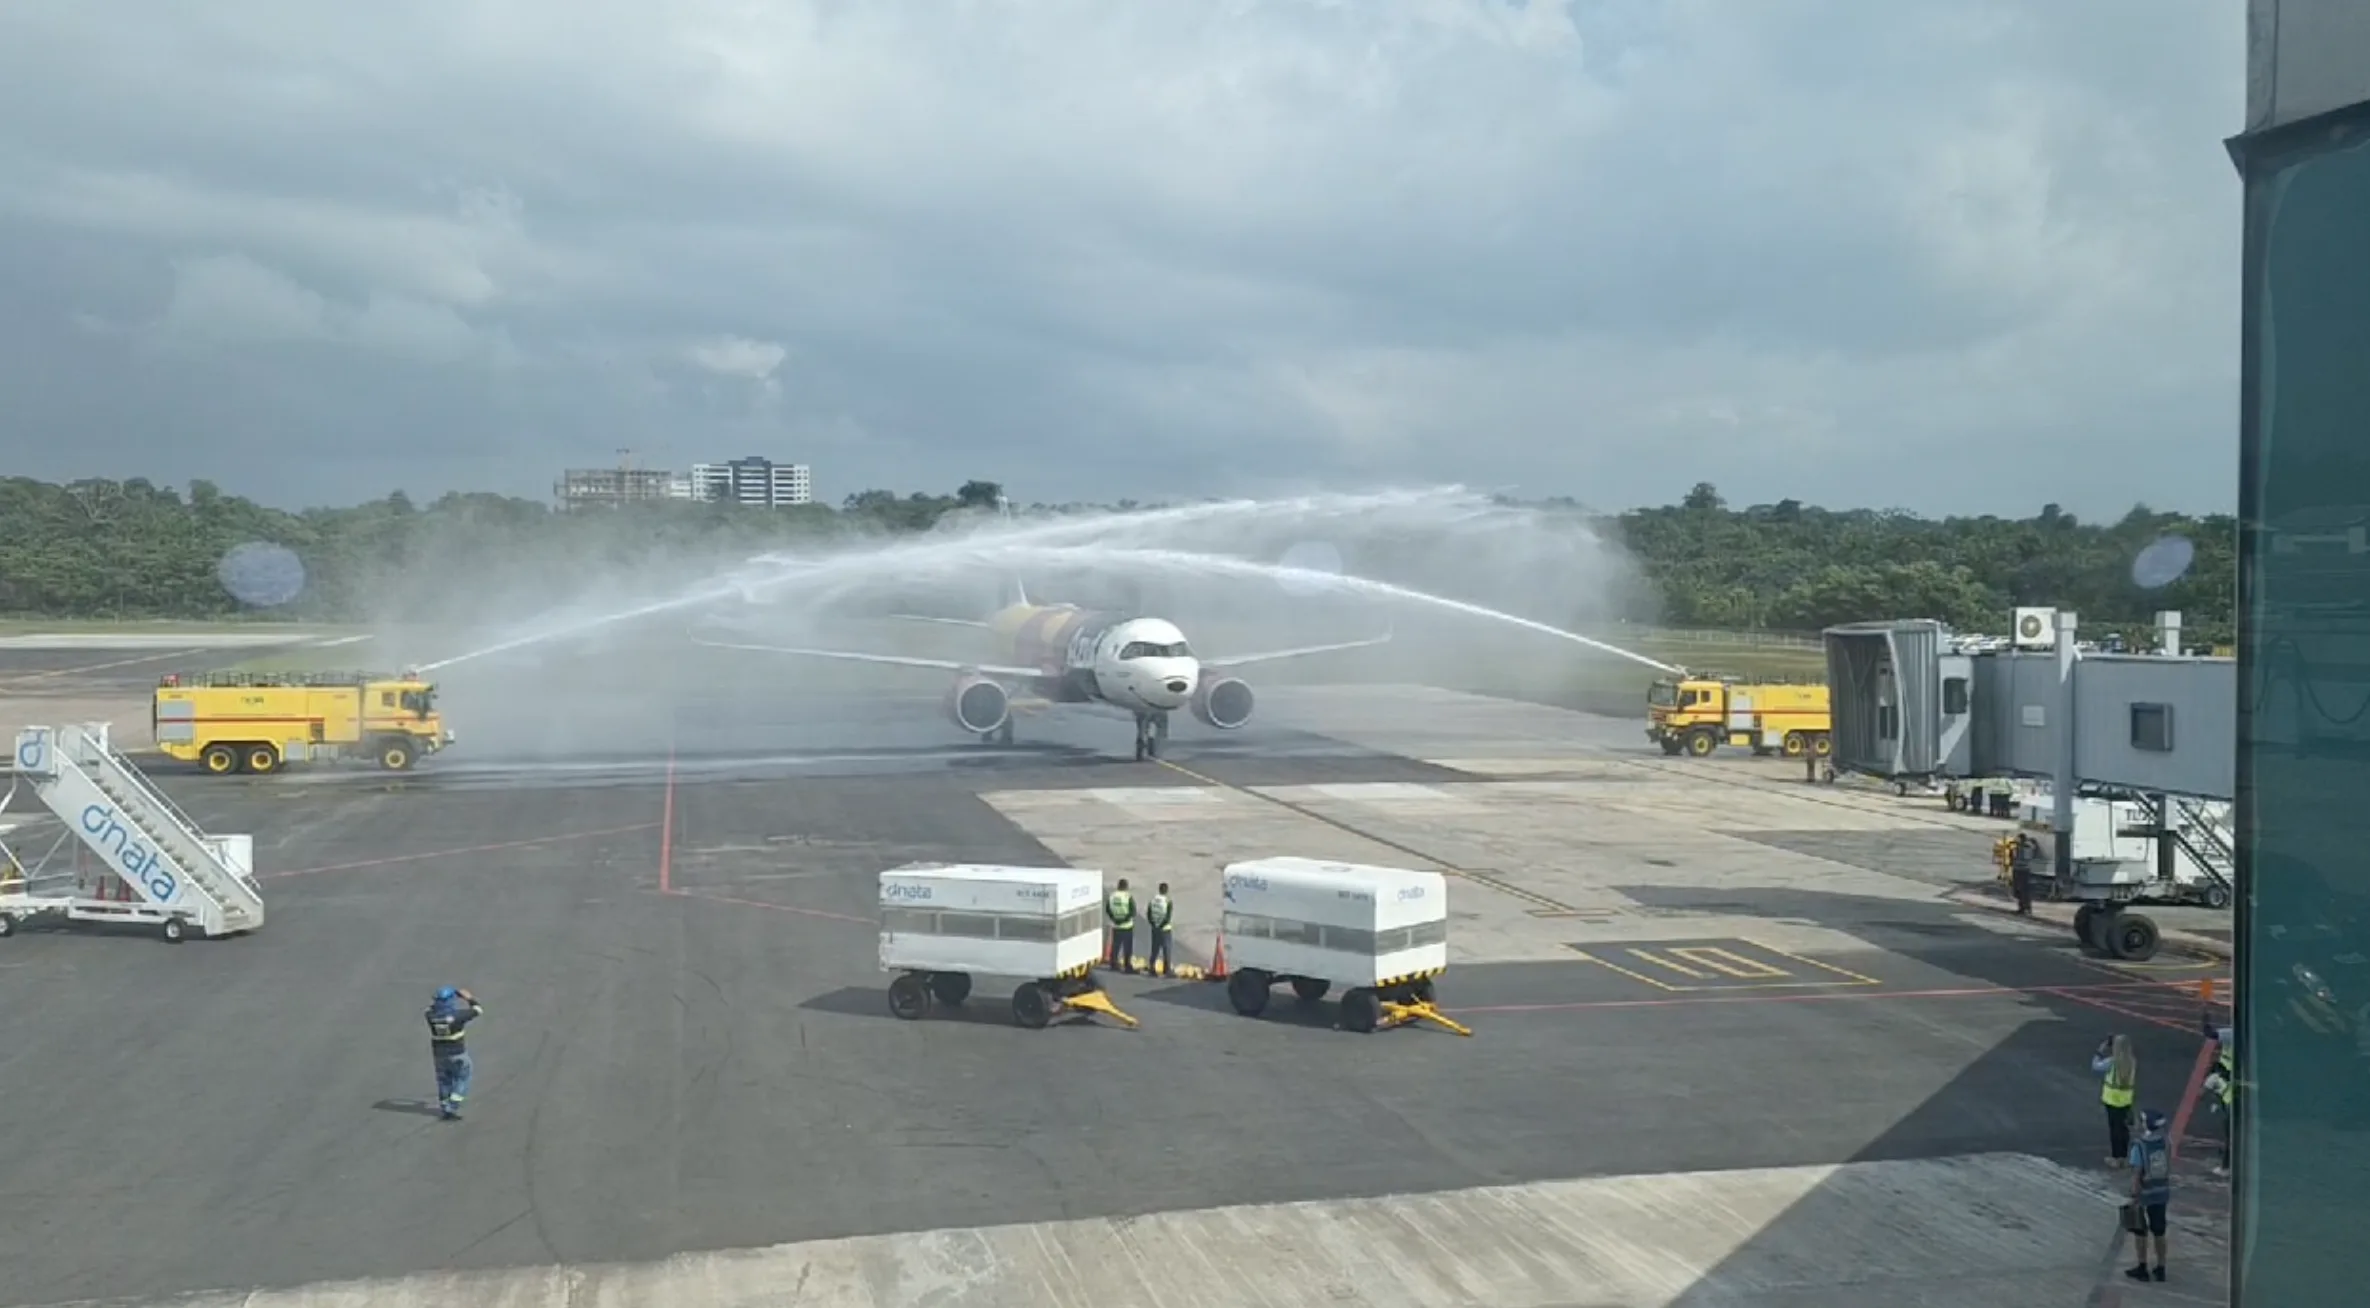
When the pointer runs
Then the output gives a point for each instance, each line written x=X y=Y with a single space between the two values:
x=1949 y=1233
x=1385 y=792
x=1132 y=796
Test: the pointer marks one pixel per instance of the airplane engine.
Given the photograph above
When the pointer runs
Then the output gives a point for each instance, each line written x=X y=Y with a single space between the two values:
x=1223 y=702
x=978 y=704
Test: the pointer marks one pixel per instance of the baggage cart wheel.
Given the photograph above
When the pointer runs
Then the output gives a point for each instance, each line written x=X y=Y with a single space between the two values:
x=950 y=988
x=173 y=931
x=1361 y=1010
x=909 y=997
x=7 y=926
x=1032 y=1007
x=1420 y=990
x=1247 y=991
x=2133 y=937
x=1310 y=988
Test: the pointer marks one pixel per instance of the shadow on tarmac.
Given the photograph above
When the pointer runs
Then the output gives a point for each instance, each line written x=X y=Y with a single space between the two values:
x=1284 y=1007
x=2069 y=1022
x=409 y=1107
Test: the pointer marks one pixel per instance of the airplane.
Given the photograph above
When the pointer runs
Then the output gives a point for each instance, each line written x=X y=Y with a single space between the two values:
x=1063 y=654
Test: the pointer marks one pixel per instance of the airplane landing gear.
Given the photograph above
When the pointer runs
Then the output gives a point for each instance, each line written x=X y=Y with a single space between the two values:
x=1151 y=730
x=1000 y=736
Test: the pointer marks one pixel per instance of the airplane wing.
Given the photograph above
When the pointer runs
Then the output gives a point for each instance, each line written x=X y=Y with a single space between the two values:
x=1269 y=656
x=972 y=623
x=898 y=660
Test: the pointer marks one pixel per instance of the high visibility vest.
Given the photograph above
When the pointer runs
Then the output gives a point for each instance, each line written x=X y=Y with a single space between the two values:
x=2116 y=1096
x=1159 y=912
x=2228 y=1066
x=1122 y=909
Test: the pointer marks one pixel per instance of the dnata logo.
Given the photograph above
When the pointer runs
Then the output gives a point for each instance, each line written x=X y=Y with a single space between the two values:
x=1407 y=893
x=1243 y=881
x=133 y=857
x=905 y=891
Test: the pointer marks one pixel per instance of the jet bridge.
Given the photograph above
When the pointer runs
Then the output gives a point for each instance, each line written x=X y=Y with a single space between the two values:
x=1912 y=704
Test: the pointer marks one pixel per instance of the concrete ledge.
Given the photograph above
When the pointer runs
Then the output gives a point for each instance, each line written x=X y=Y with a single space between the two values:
x=2062 y=914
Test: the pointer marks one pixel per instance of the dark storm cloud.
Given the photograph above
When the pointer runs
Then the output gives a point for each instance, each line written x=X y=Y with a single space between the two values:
x=1107 y=251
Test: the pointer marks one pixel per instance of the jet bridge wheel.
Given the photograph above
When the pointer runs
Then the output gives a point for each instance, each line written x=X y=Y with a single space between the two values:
x=2132 y=937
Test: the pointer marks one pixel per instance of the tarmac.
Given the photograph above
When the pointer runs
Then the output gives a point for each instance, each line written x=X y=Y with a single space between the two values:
x=1722 y=1056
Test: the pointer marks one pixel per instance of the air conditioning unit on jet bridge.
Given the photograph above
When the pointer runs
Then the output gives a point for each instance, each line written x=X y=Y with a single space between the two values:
x=2036 y=628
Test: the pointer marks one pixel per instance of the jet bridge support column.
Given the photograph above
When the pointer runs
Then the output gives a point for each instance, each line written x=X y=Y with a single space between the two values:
x=2062 y=781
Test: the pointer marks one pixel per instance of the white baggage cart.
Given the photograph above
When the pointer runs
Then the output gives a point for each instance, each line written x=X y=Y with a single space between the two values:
x=1381 y=933
x=941 y=925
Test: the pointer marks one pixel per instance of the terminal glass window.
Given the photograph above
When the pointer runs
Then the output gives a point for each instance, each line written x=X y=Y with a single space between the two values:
x=2304 y=720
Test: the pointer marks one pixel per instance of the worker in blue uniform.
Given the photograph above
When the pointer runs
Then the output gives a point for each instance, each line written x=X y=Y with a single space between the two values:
x=448 y=1040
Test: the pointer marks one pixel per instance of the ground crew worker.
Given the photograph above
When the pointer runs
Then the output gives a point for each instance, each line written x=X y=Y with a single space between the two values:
x=2020 y=873
x=1160 y=914
x=2222 y=1084
x=2119 y=1072
x=448 y=1040
x=2151 y=1193
x=1121 y=909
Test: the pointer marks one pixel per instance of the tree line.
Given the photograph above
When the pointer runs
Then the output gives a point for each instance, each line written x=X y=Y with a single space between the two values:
x=133 y=549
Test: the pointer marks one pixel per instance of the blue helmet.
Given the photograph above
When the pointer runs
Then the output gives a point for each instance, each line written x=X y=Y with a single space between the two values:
x=447 y=995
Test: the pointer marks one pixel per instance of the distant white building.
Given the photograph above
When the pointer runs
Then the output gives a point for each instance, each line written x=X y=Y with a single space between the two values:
x=751 y=481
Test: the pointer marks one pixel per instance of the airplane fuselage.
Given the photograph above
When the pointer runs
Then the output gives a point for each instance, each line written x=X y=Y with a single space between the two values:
x=1079 y=656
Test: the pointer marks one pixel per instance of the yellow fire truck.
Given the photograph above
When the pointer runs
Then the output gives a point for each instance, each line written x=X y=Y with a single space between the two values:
x=1697 y=715
x=229 y=722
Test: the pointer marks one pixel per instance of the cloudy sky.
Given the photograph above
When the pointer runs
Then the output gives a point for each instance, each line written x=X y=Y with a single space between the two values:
x=1918 y=253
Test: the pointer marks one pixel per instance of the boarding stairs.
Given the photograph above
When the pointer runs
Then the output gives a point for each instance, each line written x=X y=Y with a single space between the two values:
x=179 y=877
x=2200 y=830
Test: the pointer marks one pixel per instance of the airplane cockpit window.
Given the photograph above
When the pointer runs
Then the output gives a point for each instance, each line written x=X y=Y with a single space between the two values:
x=1145 y=649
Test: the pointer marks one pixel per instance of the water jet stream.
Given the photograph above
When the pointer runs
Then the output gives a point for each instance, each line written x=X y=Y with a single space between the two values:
x=1103 y=542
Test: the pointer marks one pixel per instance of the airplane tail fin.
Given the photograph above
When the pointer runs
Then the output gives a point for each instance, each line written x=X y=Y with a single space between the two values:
x=1015 y=594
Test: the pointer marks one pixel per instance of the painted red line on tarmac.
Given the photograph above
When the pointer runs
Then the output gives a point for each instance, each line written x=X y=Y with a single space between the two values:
x=666 y=830
x=2120 y=1010
x=1826 y=996
x=759 y=903
x=393 y=859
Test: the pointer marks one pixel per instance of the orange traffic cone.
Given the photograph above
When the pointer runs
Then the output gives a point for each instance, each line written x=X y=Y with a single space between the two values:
x=1217 y=970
